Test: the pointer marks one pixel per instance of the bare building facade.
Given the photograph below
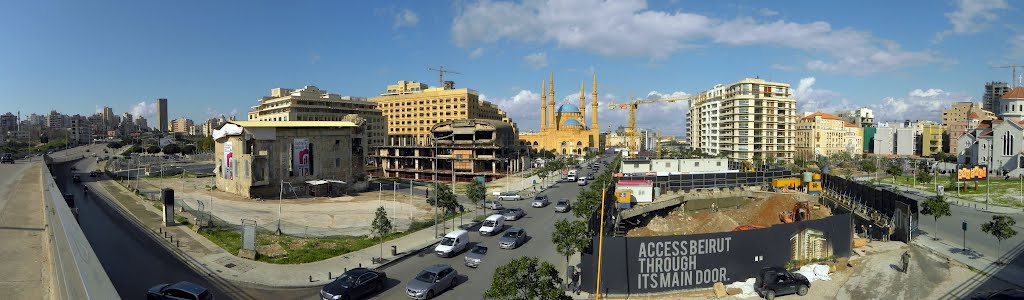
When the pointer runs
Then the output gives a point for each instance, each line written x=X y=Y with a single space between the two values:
x=467 y=148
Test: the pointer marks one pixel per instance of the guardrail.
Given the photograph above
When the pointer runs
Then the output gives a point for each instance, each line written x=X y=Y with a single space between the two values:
x=76 y=272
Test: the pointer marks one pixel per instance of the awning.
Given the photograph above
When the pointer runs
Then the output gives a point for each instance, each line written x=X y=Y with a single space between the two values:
x=323 y=181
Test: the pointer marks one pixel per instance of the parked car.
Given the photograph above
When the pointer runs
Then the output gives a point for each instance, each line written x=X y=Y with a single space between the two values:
x=540 y=201
x=512 y=214
x=509 y=196
x=476 y=255
x=590 y=177
x=7 y=158
x=776 y=281
x=562 y=205
x=354 y=284
x=180 y=290
x=512 y=238
x=493 y=205
x=493 y=224
x=76 y=178
x=452 y=243
x=431 y=281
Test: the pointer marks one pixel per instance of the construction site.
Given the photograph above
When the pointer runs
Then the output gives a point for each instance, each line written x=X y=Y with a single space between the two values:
x=743 y=210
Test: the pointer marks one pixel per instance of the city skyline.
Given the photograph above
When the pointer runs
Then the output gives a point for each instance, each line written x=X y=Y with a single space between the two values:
x=125 y=55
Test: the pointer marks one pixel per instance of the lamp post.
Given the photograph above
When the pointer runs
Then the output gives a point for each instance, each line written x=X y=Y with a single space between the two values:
x=434 y=139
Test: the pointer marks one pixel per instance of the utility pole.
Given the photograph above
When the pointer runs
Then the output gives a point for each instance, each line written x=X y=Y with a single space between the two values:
x=440 y=75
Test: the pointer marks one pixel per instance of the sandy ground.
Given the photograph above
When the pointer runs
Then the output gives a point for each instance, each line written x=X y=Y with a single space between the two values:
x=762 y=210
x=348 y=215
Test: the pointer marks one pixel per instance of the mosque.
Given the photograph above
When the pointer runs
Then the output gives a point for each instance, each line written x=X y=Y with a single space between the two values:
x=563 y=130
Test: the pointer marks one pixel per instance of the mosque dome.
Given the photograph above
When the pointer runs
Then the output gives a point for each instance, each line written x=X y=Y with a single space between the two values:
x=568 y=108
x=573 y=122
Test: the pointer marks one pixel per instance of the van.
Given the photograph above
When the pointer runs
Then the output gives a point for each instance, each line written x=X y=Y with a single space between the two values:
x=452 y=243
x=493 y=224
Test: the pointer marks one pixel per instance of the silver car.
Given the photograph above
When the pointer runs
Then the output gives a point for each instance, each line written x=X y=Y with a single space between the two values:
x=512 y=214
x=509 y=196
x=476 y=255
x=512 y=238
x=431 y=281
x=540 y=201
x=562 y=205
x=494 y=205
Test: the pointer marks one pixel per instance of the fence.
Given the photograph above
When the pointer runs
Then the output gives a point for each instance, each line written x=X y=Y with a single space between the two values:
x=683 y=182
x=873 y=206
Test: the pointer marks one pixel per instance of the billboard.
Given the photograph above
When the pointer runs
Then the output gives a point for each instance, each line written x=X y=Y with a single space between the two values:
x=670 y=263
x=228 y=165
x=971 y=173
x=302 y=156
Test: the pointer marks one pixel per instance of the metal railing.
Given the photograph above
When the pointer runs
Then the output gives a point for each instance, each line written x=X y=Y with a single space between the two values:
x=77 y=273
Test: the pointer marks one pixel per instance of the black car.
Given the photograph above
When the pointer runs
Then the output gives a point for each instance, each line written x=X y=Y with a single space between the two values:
x=776 y=281
x=354 y=284
x=180 y=290
x=7 y=158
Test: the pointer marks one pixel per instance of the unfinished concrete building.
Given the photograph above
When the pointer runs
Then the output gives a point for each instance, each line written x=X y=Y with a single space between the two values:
x=256 y=159
x=467 y=148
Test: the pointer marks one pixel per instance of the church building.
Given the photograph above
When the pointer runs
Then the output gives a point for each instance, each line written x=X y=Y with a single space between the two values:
x=997 y=143
x=563 y=131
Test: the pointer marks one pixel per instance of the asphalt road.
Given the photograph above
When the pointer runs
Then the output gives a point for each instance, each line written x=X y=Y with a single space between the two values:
x=134 y=261
x=539 y=223
x=949 y=229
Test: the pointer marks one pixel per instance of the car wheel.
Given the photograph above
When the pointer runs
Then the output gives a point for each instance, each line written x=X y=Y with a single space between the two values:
x=802 y=290
x=769 y=295
x=430 y=294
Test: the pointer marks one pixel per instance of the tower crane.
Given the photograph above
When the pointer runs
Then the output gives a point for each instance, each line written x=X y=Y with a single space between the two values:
x=632 y=106
x=440 y=75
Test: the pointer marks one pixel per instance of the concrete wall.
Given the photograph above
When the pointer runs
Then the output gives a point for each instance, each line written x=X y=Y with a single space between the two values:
x=695 y=165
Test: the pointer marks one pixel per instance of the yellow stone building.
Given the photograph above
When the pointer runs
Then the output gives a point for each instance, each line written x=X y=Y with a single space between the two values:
x=822 y=134
x=563 y=131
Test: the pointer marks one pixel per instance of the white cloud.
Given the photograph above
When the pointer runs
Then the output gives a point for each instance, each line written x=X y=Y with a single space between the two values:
x=767 y=12
x=629 y=28
x=406 y=18
x=917 y=105
x=477 y=53
x=809 y=99
x=972 y=16
x=1016 y=48
x=144 y=109
x=536 y=60
x=314 y=58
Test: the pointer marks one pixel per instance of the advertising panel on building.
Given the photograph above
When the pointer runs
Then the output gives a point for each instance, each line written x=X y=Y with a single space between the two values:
x=228 y=167
x=302 y=156
x=971 y=173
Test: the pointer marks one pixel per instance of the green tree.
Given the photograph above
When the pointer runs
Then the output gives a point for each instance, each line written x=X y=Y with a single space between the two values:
x=587 y=201
x=205 y=144
x=924 y=176
x=570 y=237
x=868 y=166
x=443 y=197
x=526 y=278
x=381 y=227
x=134 y=149
x=114 y=145
x=895 y=171
x=188 y=149
x=171 y=149
x=937 y=207
x=476 y=192
x=153 y=149
x=1001 y=227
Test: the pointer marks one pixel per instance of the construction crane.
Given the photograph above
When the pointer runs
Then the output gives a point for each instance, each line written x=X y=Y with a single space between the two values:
x=440 y=75
x=632 y=106
x=1015 y=80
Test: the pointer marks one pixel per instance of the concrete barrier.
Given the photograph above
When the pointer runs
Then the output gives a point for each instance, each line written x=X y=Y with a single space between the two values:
x=76 y=272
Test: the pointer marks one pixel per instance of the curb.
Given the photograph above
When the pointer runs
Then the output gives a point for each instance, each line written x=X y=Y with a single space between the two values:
x=962 y=264
x=405 y=255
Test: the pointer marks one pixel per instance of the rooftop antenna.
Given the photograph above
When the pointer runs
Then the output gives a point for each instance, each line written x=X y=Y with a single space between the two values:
x=440 y=75
x=1015 y=77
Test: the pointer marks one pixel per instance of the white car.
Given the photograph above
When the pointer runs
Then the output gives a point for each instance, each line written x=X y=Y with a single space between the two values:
x=509 y=196
x=581 y=181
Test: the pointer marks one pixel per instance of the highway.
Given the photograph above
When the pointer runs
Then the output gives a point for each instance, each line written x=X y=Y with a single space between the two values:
x=134 y=261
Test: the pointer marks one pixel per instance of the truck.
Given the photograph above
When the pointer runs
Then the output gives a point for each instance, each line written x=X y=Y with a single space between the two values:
x=571 y=176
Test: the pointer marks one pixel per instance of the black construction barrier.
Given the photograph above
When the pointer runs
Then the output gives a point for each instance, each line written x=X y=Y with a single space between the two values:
x=903 y=210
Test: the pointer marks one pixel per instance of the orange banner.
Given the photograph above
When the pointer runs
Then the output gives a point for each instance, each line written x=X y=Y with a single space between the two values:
x=972 y=173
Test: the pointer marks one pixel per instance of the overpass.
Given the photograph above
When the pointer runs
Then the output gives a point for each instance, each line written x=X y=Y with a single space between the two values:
x=47 y=256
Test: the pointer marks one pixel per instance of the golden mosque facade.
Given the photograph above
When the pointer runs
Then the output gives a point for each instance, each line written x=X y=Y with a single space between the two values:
x=563 y=130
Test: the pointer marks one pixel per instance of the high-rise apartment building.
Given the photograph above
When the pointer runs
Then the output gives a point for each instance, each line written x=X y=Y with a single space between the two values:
x=8 y=122
x=313 y=104
x=81 y=130
x=748 y=119
x=142 y=123
x=412 y=108
x=931 y=138
x=822 y=134
x=993 y=91
x=109 y=118
x=161 y=115
x=55 y=120
x=182 y=125
x=862 y=117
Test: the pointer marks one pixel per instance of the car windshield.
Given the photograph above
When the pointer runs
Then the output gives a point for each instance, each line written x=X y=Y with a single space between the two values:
x=345 y=279
x=488 y=223
x=512 y=233
x=563 y=202
x=479 y=250
x=447 y=241
x=426 y=276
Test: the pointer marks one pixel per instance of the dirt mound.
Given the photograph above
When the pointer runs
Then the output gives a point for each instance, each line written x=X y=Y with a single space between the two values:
x=763 y=210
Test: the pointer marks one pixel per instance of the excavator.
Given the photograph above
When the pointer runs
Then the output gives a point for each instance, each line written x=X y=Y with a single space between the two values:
x=799 y=213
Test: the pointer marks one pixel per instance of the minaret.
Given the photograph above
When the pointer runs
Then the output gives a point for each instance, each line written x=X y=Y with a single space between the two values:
x=583 y=99
x=543 y=108
x=551 y=101
x=593 y=106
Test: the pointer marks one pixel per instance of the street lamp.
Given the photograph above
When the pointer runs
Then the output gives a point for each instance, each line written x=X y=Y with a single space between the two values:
x=434 y=139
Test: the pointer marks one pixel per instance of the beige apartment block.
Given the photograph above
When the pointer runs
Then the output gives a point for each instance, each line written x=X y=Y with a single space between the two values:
x=413 y=108
x=960 y=118
x=313 y=104
x=181 y=125
x=822 y=134
x=751 y=119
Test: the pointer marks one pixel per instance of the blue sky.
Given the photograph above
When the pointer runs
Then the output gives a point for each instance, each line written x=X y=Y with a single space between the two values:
x=906 y=59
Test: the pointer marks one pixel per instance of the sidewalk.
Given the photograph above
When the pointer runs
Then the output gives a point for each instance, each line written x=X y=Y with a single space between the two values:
x=25 y=270
x=210 y=259
x=1009 y=273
